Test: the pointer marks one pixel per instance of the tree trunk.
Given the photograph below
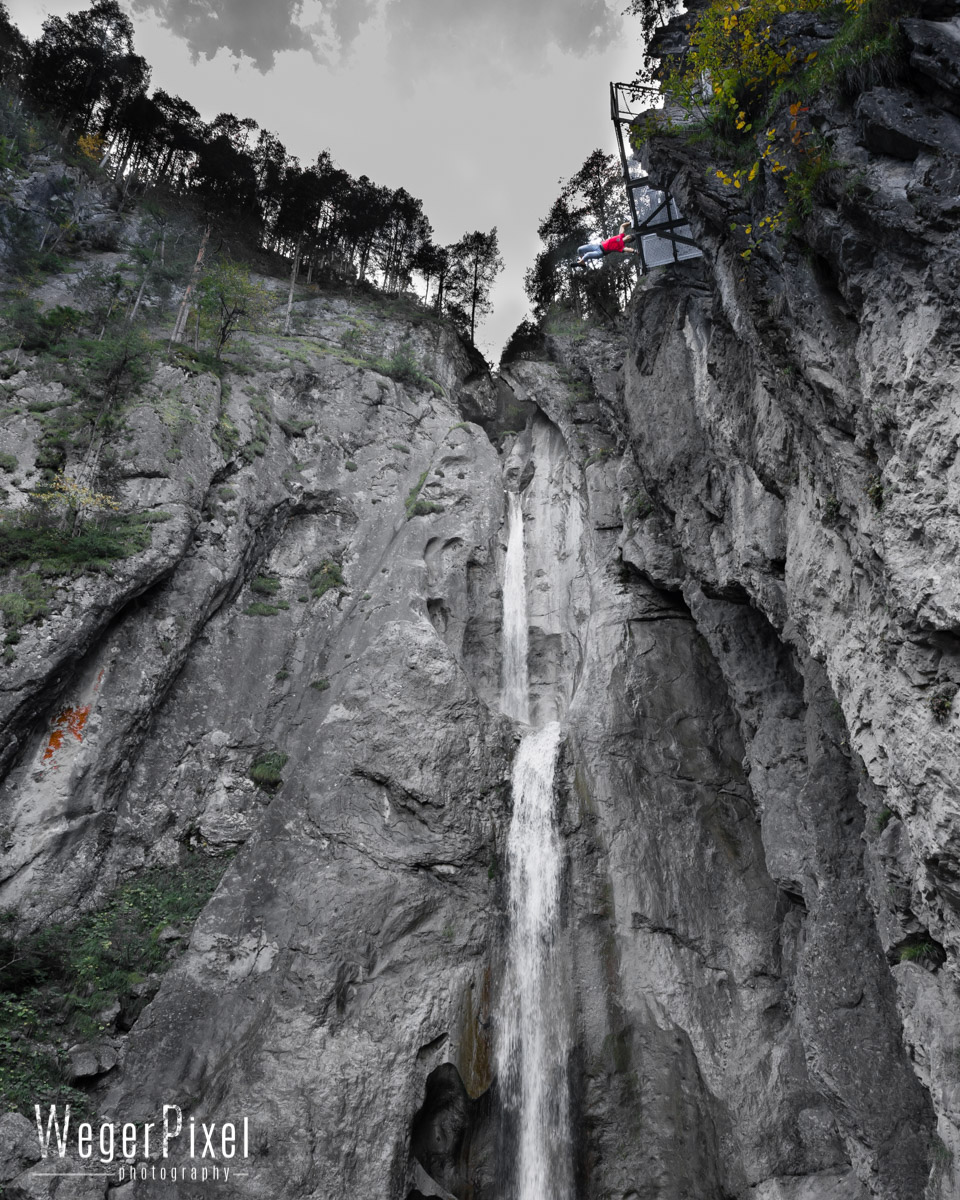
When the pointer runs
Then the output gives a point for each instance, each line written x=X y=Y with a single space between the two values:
x=181 y=323
x=140 y=291
x=473 y=299
x=293 y=280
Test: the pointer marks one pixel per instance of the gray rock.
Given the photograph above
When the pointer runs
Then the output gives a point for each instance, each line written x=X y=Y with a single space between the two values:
x=88 y=1061
x=904 y=127
x=935 y=51
x=18 y=1145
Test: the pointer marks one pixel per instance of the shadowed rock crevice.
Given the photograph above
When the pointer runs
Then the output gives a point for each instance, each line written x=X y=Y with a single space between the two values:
x=452 y=1139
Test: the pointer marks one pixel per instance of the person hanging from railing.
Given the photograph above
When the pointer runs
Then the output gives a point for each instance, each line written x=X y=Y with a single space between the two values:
x=613 y=245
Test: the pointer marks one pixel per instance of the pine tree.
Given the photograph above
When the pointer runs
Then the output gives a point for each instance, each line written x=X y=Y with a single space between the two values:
x=476 y=264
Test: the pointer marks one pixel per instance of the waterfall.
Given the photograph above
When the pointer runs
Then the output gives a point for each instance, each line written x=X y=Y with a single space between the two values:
x=534 y=1041
x=515 y=690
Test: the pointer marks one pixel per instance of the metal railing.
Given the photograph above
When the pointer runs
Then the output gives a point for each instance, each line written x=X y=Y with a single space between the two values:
x=662 y=234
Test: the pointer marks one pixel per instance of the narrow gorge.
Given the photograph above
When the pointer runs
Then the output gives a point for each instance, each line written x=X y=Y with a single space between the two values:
x=561 y=762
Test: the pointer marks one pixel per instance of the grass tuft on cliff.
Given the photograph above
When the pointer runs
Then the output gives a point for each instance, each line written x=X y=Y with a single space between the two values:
x=415 y=506
x=266 y=769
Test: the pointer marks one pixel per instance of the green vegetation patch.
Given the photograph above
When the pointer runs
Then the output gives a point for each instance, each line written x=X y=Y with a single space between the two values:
x=884 y=817
x=423 y=508
x=226 y=435
x=415 y=506
x=259 y=609
x=641 y=506
x=266 y=769
x=27 y=602
x=874 y=490
x=831 y=512
x=918 y=952
x=55 y=983
x=256 y=448
x=324 y=576
x=763 y=111
x=55 y=552
x=402 y=366
x=266 y=585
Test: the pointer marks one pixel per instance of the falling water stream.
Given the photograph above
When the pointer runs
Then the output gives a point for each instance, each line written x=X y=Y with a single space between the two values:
x=534 y=1038
x=515 y=689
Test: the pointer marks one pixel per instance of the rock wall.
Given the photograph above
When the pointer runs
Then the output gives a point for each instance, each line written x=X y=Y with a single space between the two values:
x=346 y=952
x=741 y=527
x=794 y=422
x=740 y=1030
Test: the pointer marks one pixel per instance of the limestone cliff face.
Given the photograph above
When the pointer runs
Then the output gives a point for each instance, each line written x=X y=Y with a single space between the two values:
x=746 y=1037
x=795 y=426
x=741 y=523
x=345 y=953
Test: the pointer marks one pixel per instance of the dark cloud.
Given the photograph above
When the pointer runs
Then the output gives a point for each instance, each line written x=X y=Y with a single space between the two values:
x=423 y=33
x=346 y=17
x=246 y=28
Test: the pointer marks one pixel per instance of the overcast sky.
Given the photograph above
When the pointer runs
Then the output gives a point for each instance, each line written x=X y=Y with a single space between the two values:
x=478 y=107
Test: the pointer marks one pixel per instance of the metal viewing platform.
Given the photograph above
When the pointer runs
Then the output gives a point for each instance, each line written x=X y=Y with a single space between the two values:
x=662 y=234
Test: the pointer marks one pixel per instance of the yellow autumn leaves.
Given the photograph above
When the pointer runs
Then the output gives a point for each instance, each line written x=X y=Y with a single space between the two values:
x=738 y=52
x=66 y=493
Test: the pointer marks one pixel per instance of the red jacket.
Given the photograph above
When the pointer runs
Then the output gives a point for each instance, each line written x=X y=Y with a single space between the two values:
x=613 y=244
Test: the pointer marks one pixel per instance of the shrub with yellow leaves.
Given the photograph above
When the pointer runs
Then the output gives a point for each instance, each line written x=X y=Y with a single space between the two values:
x=91 y=146
x=68 y=497
x=736 y=57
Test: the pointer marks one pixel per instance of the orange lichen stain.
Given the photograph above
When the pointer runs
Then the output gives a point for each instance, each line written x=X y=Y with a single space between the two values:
x=71 y=720
x=96 y=686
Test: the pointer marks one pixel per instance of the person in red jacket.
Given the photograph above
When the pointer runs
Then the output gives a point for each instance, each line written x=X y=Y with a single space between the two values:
x=613 y=245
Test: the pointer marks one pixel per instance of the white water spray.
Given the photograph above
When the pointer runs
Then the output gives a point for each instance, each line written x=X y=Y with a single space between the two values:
x=515 y=701
x=534 y=1027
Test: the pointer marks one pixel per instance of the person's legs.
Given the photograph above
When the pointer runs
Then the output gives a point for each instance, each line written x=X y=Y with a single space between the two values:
x=590 y=250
